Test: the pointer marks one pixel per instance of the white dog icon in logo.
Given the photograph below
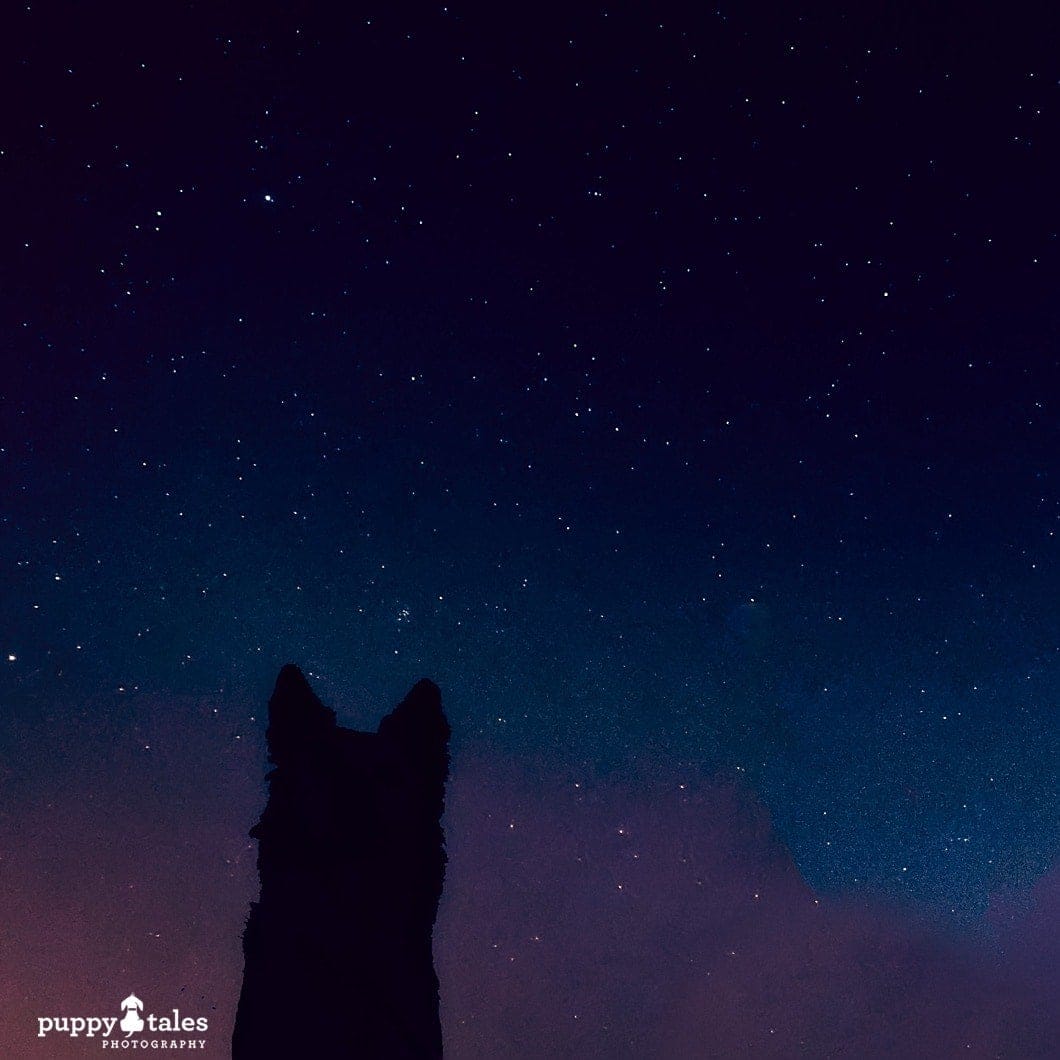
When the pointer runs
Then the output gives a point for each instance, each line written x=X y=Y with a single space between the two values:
x=132 y=1006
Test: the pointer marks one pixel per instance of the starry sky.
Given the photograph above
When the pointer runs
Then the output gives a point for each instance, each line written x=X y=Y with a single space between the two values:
x=673 y=384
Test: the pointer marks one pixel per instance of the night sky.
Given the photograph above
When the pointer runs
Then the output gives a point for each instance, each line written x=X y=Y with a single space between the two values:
x=676 y=385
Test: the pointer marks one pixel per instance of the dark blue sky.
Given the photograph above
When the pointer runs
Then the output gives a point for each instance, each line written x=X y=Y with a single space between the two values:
x=675 y=386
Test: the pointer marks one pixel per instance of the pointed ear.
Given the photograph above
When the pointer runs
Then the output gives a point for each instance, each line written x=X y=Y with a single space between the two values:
x=425 y=695
x=419 y=724
x=296 y=717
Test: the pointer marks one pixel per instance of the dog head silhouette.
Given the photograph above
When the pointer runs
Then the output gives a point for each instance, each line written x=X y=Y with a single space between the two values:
x=351 y=856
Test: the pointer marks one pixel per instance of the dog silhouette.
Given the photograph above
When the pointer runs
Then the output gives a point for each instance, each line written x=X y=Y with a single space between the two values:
x=338 y=958
x=131 y=1021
